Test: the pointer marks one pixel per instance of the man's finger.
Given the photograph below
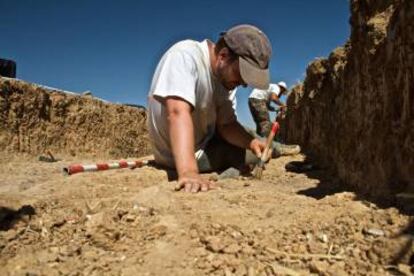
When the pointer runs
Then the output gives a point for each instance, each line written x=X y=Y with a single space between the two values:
x=204 y=186
x=258 y=152
x=187 y=187
x=195 y=187
x=179 y=186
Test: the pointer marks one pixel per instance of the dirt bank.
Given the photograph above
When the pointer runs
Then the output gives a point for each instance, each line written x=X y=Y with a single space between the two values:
x=34 y=119
x=355 y=110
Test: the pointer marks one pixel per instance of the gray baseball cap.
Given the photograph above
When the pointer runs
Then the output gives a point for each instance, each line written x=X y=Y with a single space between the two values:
x=254 y=51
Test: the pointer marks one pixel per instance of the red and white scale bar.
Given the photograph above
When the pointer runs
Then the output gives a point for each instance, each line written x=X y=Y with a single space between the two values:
x=77 y=168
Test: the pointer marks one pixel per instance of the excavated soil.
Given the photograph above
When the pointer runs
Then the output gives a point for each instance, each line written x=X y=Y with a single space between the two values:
x=35 y=119
x=131 y=222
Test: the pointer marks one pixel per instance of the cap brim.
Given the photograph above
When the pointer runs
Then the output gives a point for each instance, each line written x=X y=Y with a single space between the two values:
x=253 y=76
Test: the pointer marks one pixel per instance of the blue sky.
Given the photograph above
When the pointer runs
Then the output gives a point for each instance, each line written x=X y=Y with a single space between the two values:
x=112 y=47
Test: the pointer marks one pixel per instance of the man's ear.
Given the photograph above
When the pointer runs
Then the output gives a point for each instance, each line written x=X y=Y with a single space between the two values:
x=224 y=53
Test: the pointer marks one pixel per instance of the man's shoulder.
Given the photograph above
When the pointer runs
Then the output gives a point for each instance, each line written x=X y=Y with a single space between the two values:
x=188 y=46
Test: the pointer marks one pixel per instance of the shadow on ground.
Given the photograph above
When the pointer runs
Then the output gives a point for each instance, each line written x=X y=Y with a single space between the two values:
x=328 y=184
x=9 y=217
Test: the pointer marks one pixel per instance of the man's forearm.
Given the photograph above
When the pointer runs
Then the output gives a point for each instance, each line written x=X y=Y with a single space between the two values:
x=274 y=98
x=181 y=133
x=279 y=102
x=235 y=134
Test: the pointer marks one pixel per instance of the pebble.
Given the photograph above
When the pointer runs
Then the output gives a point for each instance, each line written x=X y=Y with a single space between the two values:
x=374 y=232
x=232 y=248
x=214 y=244
x=216 y=226
x=323 y=238
x=129 y=218
x=236 y=235
x=318 y=267
x=216 y=263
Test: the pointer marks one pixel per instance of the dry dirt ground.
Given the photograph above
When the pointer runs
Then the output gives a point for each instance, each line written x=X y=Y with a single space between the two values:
x=131 y=222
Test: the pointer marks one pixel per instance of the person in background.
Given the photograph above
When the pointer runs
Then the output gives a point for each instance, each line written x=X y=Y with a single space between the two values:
x=260 y=103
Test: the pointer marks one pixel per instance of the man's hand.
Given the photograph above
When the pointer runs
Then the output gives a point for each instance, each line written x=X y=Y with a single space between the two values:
x=193 y=182
x=257 y=147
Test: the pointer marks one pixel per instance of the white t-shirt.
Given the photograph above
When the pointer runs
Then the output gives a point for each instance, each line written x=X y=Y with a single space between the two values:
x=265 y=94
x=184 y=71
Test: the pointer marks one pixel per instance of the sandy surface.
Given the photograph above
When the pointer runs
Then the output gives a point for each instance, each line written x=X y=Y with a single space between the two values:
x=131 y=222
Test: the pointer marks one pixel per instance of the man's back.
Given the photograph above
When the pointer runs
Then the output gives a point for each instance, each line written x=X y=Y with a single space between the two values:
x=265 y=94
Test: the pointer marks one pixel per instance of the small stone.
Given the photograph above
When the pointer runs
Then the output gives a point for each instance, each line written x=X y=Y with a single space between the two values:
x=406 y=269
x=232 y=248
x=323 y=238
x=270 y=213
x=374 y=232
x=258 y=231
x=356 y=252
x=90 y=255
x=210 y=258
x=130 y=218
x=45 y=257
x=216 y=263
x=200 y=252
x=236 y=235
x=158 y=231
x=193 y=233
x=216 y=226
x=318 y=267
x=201 y=264
x=214 y=244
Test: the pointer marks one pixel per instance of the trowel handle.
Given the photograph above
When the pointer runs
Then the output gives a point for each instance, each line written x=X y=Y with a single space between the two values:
x=275 y=128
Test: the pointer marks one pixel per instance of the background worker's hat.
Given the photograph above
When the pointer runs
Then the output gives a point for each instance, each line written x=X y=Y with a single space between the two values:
x=254 y=51
x=282 y=84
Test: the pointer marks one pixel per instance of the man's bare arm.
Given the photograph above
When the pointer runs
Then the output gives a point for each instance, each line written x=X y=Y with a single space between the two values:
x=181 y=131
x=275 y=98
x=235 y=134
